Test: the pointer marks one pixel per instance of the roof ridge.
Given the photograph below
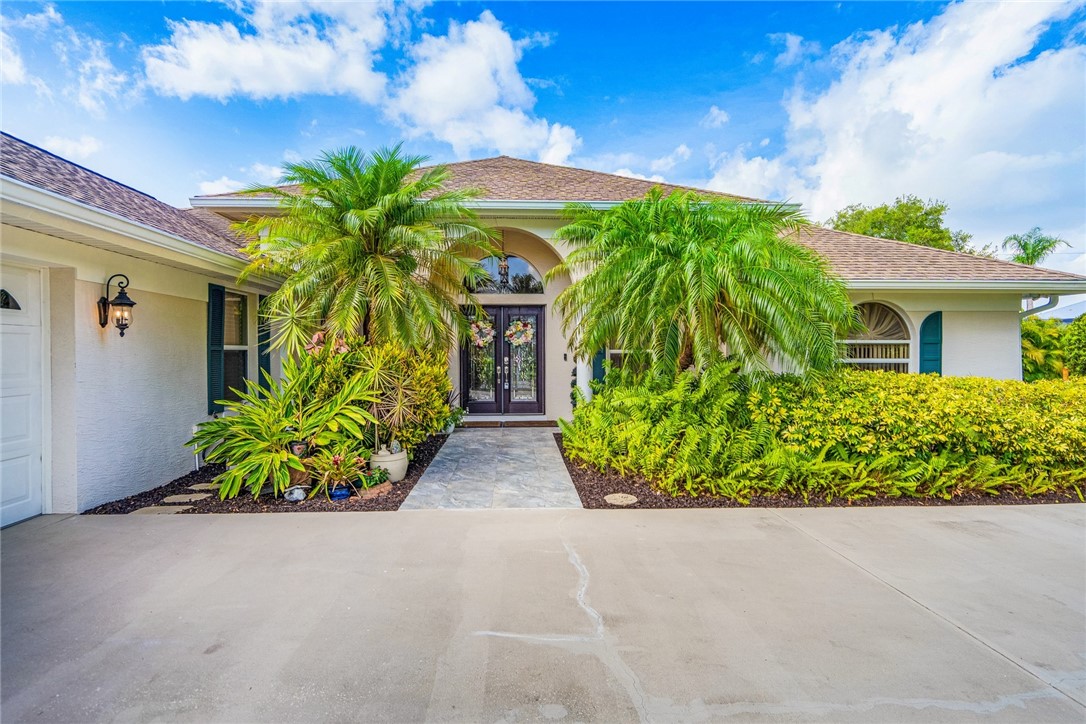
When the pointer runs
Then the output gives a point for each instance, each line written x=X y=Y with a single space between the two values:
x=80 y=166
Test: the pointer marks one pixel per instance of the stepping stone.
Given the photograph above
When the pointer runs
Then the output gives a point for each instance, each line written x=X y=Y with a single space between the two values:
x=160 y=510
x=203 y=486
x=190 y=498
x=620 y=499
x=377 y=491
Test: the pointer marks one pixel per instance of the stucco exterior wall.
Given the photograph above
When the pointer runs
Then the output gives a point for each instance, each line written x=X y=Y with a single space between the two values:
x=118 y=410
x=981 y=332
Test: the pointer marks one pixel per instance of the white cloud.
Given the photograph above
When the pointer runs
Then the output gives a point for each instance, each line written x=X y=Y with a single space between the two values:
x=292 y=49
x=631 y=174
x=99 y=80
x=263 y=173
x=221 y=185
x=465 y=88
x=77 y=148
x=960 y=108
x=37 y=21
x=715 y=118
x=12 y=69
x=668 y=162
x=795 y=49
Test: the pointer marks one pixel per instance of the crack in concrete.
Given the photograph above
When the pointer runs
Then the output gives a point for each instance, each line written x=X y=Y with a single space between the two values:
x=660 y=709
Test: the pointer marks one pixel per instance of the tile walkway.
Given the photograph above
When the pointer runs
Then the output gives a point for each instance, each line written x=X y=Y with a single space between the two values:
x=496 y=468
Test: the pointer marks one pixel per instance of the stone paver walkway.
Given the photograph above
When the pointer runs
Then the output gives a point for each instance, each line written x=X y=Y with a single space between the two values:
x=496 y=468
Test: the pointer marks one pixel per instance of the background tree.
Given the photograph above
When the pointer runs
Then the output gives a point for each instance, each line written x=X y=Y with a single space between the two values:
x=1074 y=346
x=368 y=244
x=1042 y=349
x=675 y=279
x=1032 y=247
x=908 y=219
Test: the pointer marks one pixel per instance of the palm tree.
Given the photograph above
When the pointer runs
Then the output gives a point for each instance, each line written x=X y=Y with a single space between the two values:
x=1042 y=349
x=367 y=244
x=682 y=279
x=1032 y=247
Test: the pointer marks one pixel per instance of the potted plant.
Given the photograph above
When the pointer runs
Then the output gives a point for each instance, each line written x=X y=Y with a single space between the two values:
x=455 y=418
x=392 y=458
x=336 y=471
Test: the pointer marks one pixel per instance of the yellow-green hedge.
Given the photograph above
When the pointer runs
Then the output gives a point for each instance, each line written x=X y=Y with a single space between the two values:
x=1040 y=423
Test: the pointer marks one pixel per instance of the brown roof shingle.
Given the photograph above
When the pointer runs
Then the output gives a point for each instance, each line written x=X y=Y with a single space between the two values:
x=503 y=178
x=35 y=166
x=855 y=257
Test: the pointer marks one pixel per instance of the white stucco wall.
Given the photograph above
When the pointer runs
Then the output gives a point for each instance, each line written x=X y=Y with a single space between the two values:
x=119 y=410
x=981 y=332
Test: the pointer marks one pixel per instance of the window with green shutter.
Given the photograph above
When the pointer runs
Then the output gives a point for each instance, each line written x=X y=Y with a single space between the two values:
x=216 y=300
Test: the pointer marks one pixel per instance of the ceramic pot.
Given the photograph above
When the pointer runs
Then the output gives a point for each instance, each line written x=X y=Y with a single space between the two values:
x=394 y=463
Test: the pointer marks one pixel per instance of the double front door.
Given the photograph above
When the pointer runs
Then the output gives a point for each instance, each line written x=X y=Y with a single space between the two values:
x=502 y=363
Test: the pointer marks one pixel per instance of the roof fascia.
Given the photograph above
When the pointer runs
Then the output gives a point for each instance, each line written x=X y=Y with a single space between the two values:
x=134 y=235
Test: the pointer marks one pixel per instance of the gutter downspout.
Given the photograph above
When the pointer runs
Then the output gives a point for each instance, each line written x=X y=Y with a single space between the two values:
x=1053 y=300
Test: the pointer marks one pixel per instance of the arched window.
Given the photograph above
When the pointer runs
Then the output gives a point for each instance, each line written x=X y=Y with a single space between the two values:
x=884 y=343
x=519 y=278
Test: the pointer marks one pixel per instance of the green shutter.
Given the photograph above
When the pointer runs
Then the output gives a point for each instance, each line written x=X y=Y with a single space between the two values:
x=216 y=306
x=263 y=340
x=931 y=344
x=597 y=365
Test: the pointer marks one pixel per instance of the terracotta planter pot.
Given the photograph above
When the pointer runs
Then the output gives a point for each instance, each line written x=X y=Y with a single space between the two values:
x=394 y=463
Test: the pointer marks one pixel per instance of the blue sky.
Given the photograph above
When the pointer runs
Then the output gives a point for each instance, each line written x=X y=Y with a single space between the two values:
x=982 y=105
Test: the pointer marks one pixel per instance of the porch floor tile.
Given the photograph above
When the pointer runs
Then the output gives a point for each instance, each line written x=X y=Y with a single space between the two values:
x=495 y=468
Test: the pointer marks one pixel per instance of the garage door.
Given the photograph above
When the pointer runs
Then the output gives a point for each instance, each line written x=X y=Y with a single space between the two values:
x=20 y=394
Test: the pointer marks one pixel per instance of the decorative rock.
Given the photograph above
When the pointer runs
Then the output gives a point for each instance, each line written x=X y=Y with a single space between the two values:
x=203 y=486
x=376 y=491
x=190 y=498
x=160 y=510
x=620 y=499
x=296 y=493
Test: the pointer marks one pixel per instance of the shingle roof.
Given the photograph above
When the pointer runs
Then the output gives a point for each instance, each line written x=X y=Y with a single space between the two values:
x=35 y=166
x=513 y=179
x=855 y=257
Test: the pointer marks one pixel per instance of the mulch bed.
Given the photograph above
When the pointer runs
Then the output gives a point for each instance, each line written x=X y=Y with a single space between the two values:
x=245 y=503
x=592 y=485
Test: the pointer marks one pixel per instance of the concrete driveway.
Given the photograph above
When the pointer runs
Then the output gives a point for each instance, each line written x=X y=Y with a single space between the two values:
x=892 y=614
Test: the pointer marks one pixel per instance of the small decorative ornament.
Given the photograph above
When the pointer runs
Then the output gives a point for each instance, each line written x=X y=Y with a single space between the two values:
x=520 y=333
x=482 y=333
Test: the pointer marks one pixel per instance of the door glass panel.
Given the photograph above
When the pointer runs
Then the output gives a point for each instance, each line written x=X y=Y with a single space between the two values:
x=482 y=379
x=521 y=338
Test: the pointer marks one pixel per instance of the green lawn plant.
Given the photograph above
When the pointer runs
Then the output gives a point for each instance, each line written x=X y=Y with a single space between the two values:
x=252 y=436
x=1043 y=353
x=847 y=436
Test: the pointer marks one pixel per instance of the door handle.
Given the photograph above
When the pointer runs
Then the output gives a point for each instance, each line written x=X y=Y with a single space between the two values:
x=505 y=371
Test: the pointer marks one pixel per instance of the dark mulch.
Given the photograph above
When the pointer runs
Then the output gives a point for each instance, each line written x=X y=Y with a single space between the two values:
x=592 y=485
x=245 y=503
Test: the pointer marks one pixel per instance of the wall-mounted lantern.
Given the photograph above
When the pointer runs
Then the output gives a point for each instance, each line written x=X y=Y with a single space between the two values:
x=119 y=309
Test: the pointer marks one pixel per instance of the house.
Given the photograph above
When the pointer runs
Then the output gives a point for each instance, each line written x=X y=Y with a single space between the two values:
x=90 y=415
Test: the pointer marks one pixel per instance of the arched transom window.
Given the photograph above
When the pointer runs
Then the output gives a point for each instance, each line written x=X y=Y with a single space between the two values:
x=884 y=343
x=519 y=277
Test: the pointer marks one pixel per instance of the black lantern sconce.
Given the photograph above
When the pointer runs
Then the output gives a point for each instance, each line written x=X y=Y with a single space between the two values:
x=120 y=305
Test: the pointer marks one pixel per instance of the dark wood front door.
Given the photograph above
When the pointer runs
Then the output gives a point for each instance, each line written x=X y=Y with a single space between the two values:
x=501 y=367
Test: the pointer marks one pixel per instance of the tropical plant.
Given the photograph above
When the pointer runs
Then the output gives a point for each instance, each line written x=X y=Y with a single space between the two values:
x=1074 y=346
x=370 y=245
x=1032 y=247
x=253 y=435
x=1042 y=349
x=678 y=279
x=339 y=465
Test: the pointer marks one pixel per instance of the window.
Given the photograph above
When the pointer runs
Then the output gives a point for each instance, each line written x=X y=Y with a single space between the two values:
x=235 y=344
x=522 y=278
x=884 y=344
x=230 y=341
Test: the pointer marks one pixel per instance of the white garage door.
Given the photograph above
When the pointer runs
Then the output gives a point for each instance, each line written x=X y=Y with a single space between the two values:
x=20 y=394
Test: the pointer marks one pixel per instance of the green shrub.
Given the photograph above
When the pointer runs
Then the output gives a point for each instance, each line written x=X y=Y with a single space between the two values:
x=1042 y=349
x=253 y=434
x=848 y=435
x=1074 y=346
